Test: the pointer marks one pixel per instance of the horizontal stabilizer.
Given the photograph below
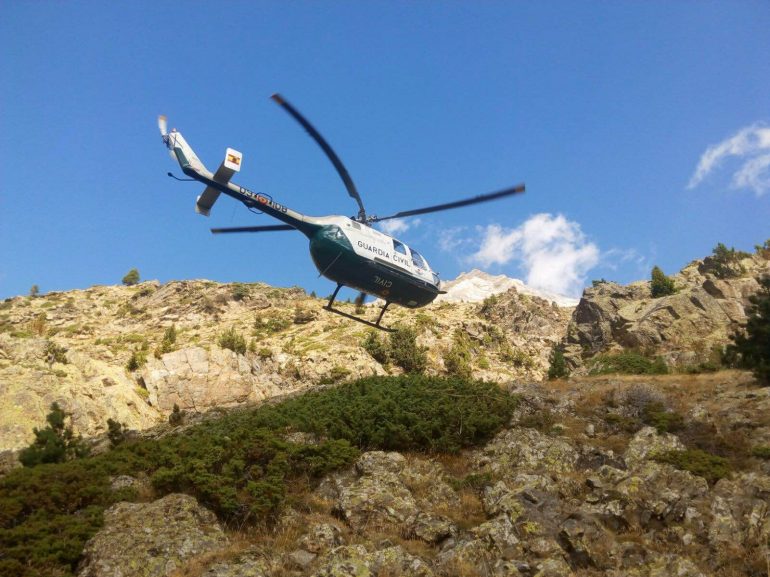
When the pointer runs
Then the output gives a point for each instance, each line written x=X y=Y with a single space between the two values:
x=230 y=165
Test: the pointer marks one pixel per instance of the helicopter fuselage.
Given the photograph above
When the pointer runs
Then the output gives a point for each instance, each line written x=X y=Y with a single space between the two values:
x=373 y=262
x=343 y=250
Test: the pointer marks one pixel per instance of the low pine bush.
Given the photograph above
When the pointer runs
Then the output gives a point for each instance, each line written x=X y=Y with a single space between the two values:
x=698 y=462
x=233 y=340
x=240 y=466
x=628 y=363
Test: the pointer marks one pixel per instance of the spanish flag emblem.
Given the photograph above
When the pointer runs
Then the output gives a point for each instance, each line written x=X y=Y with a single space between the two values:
x=234 y=159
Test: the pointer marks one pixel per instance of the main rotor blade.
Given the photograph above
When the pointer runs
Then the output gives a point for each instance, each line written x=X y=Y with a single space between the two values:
x=341 y=170
x=457 y=204
x=268 y=228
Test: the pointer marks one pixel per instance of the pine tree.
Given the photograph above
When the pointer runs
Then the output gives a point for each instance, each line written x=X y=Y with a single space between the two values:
x=54 y=444
x=661 y=285
x=131 y=278
x=558 y=368
x=753 y=346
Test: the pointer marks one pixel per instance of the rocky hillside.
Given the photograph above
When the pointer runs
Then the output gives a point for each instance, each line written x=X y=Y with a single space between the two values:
x=132 y=353
x=583 y=481
x=686 y=329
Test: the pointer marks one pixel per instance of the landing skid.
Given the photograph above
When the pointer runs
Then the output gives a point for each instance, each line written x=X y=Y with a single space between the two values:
x=375 y=325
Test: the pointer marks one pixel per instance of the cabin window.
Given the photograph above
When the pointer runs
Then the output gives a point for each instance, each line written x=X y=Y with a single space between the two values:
x=417 y=259
x=399 y=247
x=356 y=226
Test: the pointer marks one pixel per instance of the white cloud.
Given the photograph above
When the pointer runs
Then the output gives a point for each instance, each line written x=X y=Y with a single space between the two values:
x=552 y=250
x=450 y=239
x=397 y=225
x=752 y=146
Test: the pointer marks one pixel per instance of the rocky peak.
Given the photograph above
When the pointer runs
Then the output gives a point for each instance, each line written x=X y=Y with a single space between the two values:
x=477 y=285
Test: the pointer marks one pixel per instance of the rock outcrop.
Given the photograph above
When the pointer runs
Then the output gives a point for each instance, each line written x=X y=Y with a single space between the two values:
x=684 y=328
x=151 y=539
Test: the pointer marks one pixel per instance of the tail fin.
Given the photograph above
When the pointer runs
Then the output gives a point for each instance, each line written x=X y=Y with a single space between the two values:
x=230 y=165
x=192 y=166
x=183 y=153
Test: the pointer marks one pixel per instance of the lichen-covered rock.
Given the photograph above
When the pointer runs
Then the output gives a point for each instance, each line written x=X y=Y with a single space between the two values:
x=151 y=539
x=500 y=500
x=357 y=561
x=523 y=449
x=249 y=564
x=377 y=495
x=740 y=510
x=647 y=443
x=430 y=527
x=321 y=537
x=587 y=543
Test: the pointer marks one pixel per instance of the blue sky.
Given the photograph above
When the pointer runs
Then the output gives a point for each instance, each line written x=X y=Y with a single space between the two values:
x=640 y=129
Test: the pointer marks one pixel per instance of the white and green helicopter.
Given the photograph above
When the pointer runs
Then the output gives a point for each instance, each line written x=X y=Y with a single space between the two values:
x=346 y=250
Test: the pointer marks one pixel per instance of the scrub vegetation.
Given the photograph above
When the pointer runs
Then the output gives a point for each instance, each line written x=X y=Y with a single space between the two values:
x=240 y=466
x=401 y=349
x=661 y=285
x=627 y=363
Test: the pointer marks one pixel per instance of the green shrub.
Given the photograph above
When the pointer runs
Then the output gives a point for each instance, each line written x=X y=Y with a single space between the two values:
x=240 y=466
x=700 y=463
x=665 y=421
x=488 y=304
x=37 y=325
x=457 y=360
x=410 y=412
x=271 y=323
x=726 y=263
x=751 y=348
x=628 y=363
x=131 y=278
x=661 y=285
x=240 y=292
x=55 y=353
x=404 y=352
x=137 y=360
x=476 y=481
x=54 y=444
x=375 y=346
x=761 y=452
x=116 y=432
x=558 y=366
x=543 y=420
x=336 y=375
x=233 y=340
x=167 y=345
x=34 y=291
x=265 y=353
x=176 y=417
x=519 y=358
x=763 y=250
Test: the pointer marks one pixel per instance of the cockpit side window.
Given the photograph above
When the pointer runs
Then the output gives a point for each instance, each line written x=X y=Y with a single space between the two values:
x=399 y=247
x=418 y=260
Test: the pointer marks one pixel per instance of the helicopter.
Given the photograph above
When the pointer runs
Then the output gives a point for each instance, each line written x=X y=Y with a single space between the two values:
x=346 y=250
